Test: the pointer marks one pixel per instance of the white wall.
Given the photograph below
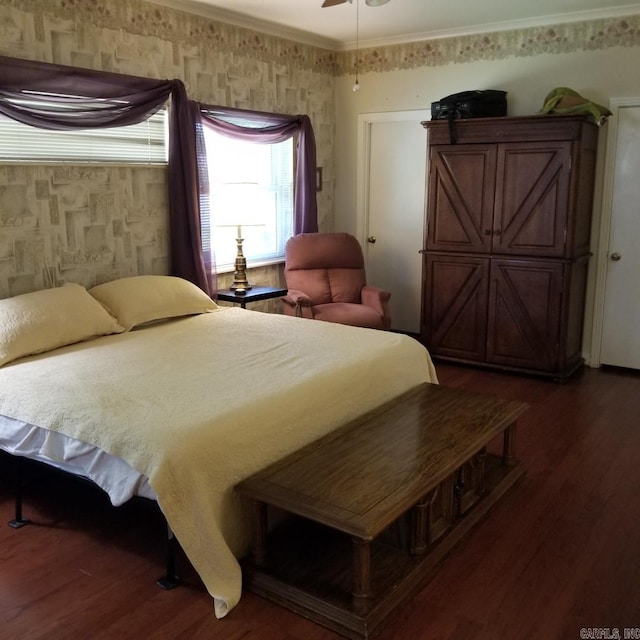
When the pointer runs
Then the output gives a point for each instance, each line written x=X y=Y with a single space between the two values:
x=598 y=75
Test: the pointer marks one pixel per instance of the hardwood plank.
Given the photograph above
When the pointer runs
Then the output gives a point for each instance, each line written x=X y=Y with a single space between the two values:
x=561 y=551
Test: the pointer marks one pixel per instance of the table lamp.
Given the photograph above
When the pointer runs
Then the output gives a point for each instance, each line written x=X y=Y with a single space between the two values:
x=238 y=205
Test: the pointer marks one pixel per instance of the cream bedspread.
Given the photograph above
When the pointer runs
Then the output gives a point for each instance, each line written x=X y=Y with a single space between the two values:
x=200 y=403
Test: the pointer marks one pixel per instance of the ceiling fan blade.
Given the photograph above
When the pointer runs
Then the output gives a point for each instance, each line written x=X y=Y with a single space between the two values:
x=333 y=3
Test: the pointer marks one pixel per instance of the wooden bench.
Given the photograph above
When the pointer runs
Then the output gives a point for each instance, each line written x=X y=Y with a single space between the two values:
x=404 y=482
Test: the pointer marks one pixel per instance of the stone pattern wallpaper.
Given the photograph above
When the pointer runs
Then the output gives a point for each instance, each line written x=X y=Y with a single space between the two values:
x=90 y=223
x=86 y=224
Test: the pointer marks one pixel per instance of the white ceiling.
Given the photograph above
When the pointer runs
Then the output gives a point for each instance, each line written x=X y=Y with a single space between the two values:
x=398 y=20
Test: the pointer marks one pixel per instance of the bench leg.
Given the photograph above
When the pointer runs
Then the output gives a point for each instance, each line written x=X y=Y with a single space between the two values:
x=259 y=537
x=361 y=572
x=420 y=525
x=509 y=446
x=482 y=477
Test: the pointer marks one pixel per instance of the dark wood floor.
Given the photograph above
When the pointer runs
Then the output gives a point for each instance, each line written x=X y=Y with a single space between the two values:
x=561 y=552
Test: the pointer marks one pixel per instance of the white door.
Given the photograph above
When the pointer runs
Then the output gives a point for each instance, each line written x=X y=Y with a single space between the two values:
x=621 y=319
x=391 y=196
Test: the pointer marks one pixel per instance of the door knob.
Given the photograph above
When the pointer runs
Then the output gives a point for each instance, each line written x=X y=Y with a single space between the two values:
x=371 y=239
x=615 y=257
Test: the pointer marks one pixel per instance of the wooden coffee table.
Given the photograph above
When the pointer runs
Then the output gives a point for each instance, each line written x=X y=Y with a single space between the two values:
x=380 y=501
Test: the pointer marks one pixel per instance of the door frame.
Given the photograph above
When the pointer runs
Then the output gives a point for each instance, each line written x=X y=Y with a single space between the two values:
x=604 y=235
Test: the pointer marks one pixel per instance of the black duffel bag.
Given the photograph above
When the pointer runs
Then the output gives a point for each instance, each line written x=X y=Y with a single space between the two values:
x=469 y=104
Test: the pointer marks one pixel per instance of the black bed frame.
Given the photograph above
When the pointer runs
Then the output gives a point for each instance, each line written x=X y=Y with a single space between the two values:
x=169 y=580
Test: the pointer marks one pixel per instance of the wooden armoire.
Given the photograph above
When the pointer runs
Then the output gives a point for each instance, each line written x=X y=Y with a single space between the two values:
x=507 y=241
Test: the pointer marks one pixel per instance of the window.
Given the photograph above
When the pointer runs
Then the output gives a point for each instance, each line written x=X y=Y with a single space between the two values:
x=143 y=143
x=249 y=184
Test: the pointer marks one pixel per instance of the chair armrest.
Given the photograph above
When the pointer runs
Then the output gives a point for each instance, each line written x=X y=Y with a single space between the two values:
x=377 y=299
x=300 y=302
x=296 y=297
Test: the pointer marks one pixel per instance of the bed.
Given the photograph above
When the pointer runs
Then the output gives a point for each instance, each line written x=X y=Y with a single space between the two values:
x=145 y=386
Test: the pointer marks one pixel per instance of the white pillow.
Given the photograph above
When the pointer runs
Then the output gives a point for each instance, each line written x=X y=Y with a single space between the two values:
x=139 y=299
x=45 y=320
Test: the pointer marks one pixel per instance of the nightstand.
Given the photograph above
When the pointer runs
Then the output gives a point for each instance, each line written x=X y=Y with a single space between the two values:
x=253 y=295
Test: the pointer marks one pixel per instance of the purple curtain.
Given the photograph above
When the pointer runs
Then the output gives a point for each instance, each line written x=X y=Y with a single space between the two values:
x=268 y=128
x=101 y=99
x=204 y=247
x=185 y=173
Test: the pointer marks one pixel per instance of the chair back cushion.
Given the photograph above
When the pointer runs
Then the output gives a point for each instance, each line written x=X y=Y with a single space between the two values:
x=328 y=267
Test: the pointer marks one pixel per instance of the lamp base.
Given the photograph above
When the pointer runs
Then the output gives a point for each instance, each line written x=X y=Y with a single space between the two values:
x=240 y=287
x=240 y=283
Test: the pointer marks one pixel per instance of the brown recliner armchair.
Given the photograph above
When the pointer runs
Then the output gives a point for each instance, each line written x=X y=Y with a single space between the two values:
x=326 y=281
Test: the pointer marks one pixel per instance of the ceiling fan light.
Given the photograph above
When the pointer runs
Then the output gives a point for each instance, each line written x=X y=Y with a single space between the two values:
x=375 y=3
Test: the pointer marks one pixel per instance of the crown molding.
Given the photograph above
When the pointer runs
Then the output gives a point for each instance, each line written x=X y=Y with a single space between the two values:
x=493 y=27
x=304 y=37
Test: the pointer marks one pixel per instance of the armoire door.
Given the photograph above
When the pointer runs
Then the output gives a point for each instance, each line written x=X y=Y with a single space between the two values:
x=532 y=199
x=455 y=306
x=461 y=197
x=525 y=298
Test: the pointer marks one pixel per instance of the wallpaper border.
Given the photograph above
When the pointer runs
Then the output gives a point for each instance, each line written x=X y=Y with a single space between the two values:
x=559 y=39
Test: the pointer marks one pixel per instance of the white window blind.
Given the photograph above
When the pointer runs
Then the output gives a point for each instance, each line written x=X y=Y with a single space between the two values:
x=142 y=143
x=246 y=172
